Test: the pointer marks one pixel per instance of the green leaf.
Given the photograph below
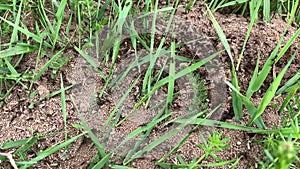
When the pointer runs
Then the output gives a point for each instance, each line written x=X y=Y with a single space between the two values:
x=270 y=92
x=53 y=149
x=20 y=48
x=13 y=144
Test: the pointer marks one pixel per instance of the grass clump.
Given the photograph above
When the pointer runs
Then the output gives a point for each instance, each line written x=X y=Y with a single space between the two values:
x=267 y=8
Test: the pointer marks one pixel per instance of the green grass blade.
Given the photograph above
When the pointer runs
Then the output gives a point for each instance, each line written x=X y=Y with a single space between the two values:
x=89 y=131
x=63 y=105
x=171 y=133
x=101 y=11
x=91 y=61
x=51 y=150
x=231 y=3
x=45 y=67
x=13 y=144
x=221 y=35
x=171 y=83
x=120 y=102
x=50 y=95
x=21 y=151
x=157 y=119
x=249 y=106
x=290 y=95
x=184 y=72
x=252 y=21
x=289 y=83
x=14 y=35
x=158 y=141
x=236 y=101
x=59 y=17
x=270 y=92
x=124 y=11
x=25 y=31
x=287 y=45
x=142 y=129
x=266 y=10
x=120 y=167
x=214 y=123
x=253 y=5
x=103 y=161
x=20 y=48
x=4 y=7
x=253 y=78
x=46 y=23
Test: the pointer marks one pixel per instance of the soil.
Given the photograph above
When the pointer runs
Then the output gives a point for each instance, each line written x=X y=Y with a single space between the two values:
x=18 y=121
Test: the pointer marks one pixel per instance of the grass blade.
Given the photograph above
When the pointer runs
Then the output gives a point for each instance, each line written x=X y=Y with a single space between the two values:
x=270 y=92
x=253 y=78
x=53 y=149
x=290 y=95
x=249 y=106
x=50 y=95
x=20 y=48
x=158 y=141
x=91 y=61
x=103 y=161
x=25 y=31
x=171 y=83
x=14 y=35
x=45 y=67
x=236 y=101
x=63 y=105
x=289 y=83
x=13 y=144
x=183 y=72
x=266 y=10
x=252 y=20
x=59 y=17
x=214 y=123
x=89 y=131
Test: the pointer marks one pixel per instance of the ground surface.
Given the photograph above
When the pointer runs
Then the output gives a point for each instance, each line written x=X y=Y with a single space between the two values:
x=18 y=121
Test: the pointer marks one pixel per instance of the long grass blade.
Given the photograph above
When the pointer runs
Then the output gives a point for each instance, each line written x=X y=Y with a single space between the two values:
x=171 y=83
x=252 y=21
x=91 y=61
x=14 y=35
x=270 y=92
x=249 y=106
x=89 y=131
x=59 y=17
x=158 y=141
x=19 y=48
x=289 y=83
x=51 y=150
x=13 y=144
x=45 y=67
x=266 y=10
x=290 y=95
x=63 y=105
x=236 y=101
x=253 y=78
x=26 y=32
x=289 y=131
